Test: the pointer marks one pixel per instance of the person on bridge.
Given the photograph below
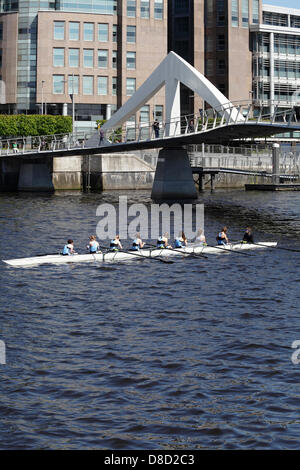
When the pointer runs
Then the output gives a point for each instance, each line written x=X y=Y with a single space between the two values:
x=248 y=236
x=101 y=136
x=155 y=126
x=115 y=244
x=222 y=237
x=68 y=249
x=137 y=243
x=93 y=245
x=181 y=240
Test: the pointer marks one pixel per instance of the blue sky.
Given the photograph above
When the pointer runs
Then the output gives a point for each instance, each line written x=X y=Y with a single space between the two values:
x=283 y=3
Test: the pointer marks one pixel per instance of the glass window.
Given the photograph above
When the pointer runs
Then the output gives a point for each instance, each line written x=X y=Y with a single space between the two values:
x=103 y=32
x=58 y=57
x=73 y=31
x=131 y=34
x=145 y=8
x=114 y=59
x=245 y=13
x=115 y=33
x=102 y=85
x=88 y=31
x=88 y=58
x=130 y=86
x=114 y=85
x=234 y=13
x=131 y=8
x=220 y=12
x=73 y=57
x=145 y=113
x=59 y=30
x=102 y=58
x=1 y=31
x=220 y=42
x=87 y=85
x=255 y=11
x=158 y=112
x=73 y=82
x=158 y=9
x=131 y=60
x=58 y=84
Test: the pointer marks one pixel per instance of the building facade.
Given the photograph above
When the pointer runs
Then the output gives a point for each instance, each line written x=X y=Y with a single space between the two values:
x=214 y=36
x=97 y=51
x=276 y=58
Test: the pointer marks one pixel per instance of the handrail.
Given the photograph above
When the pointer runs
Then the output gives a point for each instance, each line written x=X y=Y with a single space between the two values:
x=246 y=112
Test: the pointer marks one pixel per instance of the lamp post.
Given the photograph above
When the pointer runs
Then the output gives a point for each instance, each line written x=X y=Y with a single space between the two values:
x=73 y=105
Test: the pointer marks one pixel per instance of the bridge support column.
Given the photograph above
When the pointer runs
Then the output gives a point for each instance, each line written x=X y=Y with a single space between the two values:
x=173 y=176
x=35 y=176
x=275 y=164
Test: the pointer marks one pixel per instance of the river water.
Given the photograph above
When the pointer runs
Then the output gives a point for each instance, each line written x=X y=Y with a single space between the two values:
x=146 y=355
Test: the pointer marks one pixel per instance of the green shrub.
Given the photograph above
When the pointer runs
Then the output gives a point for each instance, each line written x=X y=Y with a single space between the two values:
x=21 y=125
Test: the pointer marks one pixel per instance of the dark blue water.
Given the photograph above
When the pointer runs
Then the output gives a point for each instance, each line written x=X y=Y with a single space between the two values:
x=146 y=355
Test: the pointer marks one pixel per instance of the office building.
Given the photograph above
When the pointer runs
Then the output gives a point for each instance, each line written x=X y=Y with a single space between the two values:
x=98 y=51
x=276 y=58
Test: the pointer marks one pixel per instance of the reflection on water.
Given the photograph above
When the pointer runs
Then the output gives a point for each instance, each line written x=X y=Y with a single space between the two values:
x=147 y=355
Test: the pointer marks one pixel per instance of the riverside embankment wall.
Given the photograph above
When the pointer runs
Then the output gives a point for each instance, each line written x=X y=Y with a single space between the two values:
x=130 y=171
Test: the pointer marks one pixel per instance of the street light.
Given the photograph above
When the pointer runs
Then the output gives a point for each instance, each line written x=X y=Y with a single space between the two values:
x=73 y=105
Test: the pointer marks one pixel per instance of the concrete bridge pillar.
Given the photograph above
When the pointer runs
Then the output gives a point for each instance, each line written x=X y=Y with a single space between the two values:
x=275 y=164
x=173 y=177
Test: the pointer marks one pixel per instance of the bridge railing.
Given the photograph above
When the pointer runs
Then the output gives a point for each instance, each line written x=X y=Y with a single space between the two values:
x=39 y=144
x=205 y=120
x=228 y=114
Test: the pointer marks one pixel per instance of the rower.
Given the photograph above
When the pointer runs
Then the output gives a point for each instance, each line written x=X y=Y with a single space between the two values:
x=222 y=238
x=181 y=241
x=137 y=243
x=93 y=245
x=162 y=242
x=115 y=244
x=248 y=236
x=200 y=238
x=68 y=249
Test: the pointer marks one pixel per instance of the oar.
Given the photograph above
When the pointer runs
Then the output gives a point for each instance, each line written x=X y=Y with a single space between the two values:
x=274 y=247
x=229 y=249
x=193 y=255
x=156 y=258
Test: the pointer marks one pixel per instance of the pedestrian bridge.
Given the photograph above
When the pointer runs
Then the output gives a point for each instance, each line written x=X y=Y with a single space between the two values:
x=222 y=122
x=214 y=127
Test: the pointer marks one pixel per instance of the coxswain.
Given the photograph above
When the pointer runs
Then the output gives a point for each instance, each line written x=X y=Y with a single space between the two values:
x=115 y=244
x=137 y=243
x=222 y=238
x=248 y=236
x=162 y=242
x=68 y=249
x=181 y=241
x=200 y=238
x=93 y=245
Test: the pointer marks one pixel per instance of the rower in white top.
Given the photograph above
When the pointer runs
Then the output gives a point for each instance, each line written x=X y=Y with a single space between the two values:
x=200 y=238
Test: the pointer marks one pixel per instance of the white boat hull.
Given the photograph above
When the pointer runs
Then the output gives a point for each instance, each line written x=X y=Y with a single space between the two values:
x=129 y=256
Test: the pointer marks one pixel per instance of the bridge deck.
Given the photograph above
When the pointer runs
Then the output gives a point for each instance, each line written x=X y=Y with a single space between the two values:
x=220 y=135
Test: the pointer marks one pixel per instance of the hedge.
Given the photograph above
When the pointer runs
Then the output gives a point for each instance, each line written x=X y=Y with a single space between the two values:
x=21 y=125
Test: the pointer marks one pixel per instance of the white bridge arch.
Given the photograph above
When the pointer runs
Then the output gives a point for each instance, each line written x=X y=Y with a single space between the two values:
x=172 y=71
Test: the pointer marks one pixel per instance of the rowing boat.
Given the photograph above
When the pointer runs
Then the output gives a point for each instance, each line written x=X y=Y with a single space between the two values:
x=130 y=255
